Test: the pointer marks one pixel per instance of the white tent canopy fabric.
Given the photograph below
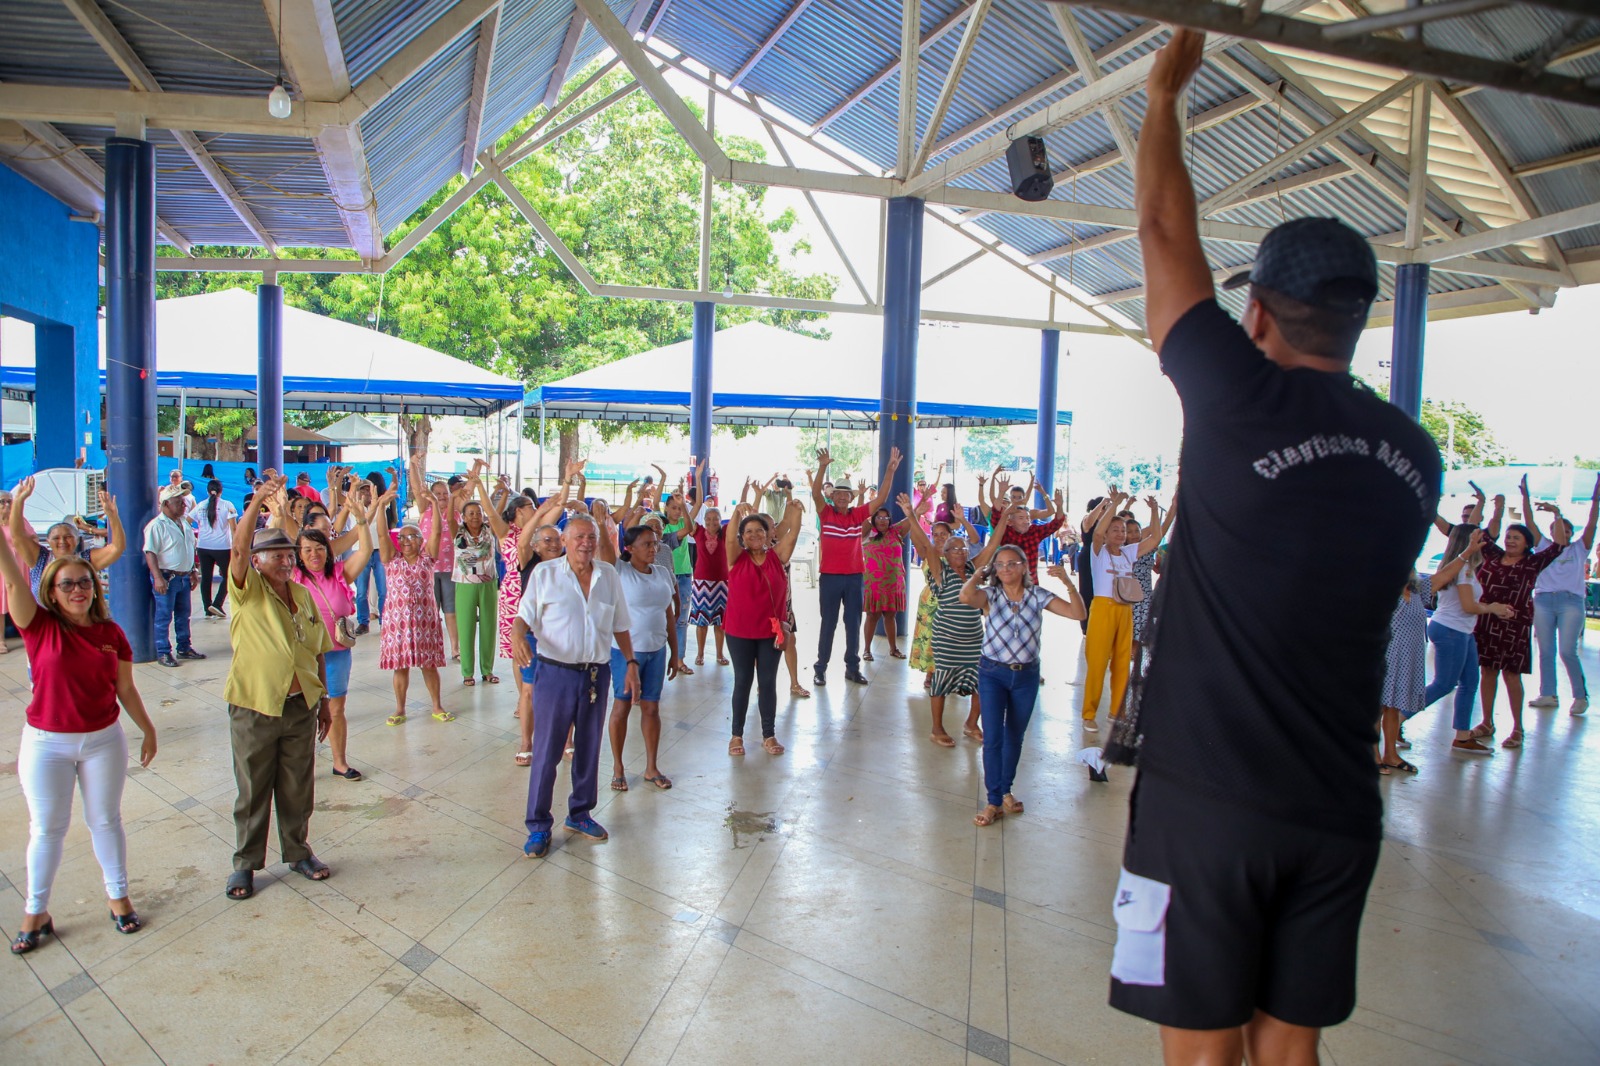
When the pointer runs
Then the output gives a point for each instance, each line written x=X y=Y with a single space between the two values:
x=756 y=369
x=353 y=429
x=207 y=348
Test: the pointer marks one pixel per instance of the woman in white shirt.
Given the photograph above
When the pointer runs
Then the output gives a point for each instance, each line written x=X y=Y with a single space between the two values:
x=1451 y=630
x=651 y=591
x=214 y=546
x=1110 y=637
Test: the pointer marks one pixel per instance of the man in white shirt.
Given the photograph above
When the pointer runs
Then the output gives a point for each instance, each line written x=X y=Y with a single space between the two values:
x=169 y=553
x=1558 y=616
x=574 y=608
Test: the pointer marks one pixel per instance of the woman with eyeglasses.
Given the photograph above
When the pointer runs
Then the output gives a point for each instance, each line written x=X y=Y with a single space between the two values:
x=956 y=630
x=754 y=620
x=329 y=581
x=412 y=635
x=62 y=540
x=82 y=669
x=883 y=596
x=1008 y=668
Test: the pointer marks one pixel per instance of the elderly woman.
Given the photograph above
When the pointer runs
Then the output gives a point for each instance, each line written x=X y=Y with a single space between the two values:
x=329 y=584
x=62 y=539
x=884 y=595
x=710 y=597
x=757 y=606
x=475 y=580
x=82 y=669
x=956 y=629
x=651 y=592
x=411 y=635
x=1008 y=669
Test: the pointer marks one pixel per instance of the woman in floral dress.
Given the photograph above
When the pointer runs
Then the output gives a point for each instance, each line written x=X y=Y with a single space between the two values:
x=884 y=595
x=412 y=633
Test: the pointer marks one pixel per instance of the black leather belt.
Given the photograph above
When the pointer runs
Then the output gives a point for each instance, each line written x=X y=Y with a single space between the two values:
x=570 y=666
x=1016 y=667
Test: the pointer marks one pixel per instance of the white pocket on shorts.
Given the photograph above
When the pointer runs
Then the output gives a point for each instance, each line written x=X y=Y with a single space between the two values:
x=1141 y=912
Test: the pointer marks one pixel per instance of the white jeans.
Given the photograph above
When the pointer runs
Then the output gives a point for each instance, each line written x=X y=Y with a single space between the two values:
x=47 y=766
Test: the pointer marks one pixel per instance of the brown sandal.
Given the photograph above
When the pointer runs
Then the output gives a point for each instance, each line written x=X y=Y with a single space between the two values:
x=771 y=746
x=1010 y=804
x=736 y=746
x=974 y=733
x=988 y=816
x=944 y=740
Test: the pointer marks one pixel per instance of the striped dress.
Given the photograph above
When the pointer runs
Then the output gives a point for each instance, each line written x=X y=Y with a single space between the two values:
x=957 y=637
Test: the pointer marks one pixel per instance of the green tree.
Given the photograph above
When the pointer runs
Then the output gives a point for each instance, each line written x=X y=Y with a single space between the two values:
x=986 y=447
x=622 y=191
x=1472 y=442
x=851 y=449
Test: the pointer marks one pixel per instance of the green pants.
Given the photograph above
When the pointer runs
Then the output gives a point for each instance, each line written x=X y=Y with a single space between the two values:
x=274 y=761
x=476 y=614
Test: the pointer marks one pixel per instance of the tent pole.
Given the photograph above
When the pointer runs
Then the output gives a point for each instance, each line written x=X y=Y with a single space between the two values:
x=516 y=437
x=540 y=487
x=180 y=439
x=828 y=444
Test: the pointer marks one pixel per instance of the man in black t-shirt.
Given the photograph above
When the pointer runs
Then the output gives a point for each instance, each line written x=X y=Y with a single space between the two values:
x=1255 y=822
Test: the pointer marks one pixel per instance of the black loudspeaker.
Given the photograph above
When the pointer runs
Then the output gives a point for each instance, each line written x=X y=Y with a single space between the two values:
x=1030 y=168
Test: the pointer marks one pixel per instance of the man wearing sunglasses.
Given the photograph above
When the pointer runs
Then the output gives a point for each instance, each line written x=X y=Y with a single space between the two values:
x=277 y=699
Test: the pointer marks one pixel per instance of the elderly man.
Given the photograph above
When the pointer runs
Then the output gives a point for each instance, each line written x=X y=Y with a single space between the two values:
x=574 y=607
x=169 y=553
x=841 y=563
x=277 y=699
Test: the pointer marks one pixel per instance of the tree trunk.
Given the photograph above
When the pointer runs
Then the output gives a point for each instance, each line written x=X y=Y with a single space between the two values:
x=418 y=429
x=568 y=451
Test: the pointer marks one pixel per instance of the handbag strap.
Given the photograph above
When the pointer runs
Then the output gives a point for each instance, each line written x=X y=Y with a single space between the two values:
x=328 y=606
x=777 y=611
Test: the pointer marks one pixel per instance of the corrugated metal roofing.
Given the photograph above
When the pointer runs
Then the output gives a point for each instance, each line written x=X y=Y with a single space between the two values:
x=836 y=51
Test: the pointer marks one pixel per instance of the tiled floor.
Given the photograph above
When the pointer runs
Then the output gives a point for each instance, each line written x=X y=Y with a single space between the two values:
x=834 y=905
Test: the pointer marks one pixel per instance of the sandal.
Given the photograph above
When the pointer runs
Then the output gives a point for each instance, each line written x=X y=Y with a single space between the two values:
x=1404 y=767
x=661 y=781
x=866 y=657
x=619 y=783
x=1385 y=769
x=1481 y=730
x=684 y=671
x=491 y=679
x=311 y=868
x=973 y=732
x=799 y=692
x=523 y=758
x=241 y=885
x=699 y=660
x=467 y=682
x=944 y=740
x=443 y=716
x=896 y=653
x=127 y=923
x=722 y=661
x=1513 y=739
x=395 y=719
x=1010 y=804
x=736 y=746
x=771 y=746
x=988 y=816
x=27 y=941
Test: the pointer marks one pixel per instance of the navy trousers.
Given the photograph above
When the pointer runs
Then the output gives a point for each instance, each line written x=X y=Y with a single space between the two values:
x=563 y=699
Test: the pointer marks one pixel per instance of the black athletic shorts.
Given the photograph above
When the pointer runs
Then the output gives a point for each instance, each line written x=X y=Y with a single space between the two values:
x=1222 y=911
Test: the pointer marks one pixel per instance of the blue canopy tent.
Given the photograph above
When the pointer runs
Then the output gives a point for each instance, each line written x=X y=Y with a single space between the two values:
x=755 y=367
x=207 y=351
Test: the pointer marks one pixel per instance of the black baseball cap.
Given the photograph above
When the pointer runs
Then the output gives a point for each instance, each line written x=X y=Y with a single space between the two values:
x=1321 y=262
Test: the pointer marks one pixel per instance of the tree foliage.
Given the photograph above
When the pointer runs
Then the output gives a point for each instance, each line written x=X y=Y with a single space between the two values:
x=850 y=449
x=1473 y=442
x=622 y=191
x=986 y=447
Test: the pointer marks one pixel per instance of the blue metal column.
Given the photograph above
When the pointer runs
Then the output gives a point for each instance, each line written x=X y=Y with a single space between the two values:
x=130 y=225
x=269 y=377
x=705 y=324
x=1044 y=452
x=902 y=312
x=1410 y=322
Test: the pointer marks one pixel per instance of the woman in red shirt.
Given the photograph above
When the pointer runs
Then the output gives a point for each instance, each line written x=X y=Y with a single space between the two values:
x=709 y=597
x=82 y=668
x=754 y=617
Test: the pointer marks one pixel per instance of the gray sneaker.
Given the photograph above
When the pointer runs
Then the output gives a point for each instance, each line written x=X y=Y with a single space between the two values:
x=1544 y=701
x=1579 y=707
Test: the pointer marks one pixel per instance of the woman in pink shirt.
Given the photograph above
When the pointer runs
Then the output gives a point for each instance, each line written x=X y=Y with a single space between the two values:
x=82 y=669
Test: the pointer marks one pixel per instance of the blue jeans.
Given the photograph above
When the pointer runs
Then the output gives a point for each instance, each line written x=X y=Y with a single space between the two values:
x=1557 y=623
x=1008 y=697
x=685 y=597
x=1455 y=669
x=374 y=570
x=172 y=610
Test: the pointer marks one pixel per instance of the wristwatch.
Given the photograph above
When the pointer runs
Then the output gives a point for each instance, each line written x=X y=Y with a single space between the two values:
x=633 y=662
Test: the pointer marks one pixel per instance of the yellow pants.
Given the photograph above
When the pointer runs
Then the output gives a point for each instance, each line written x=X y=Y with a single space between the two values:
x=1110 y=640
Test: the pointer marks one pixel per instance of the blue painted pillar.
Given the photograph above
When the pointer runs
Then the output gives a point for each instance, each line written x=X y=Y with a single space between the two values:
x=1044 y=452
x=130 y=225
x=902 y=312
x=269 y=377
x=705 y=324
x=68 y=396
x=1410 y=322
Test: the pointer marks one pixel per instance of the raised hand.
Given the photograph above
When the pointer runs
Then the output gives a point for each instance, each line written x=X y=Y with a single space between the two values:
x=903 y=501
x=824 y=457
x=1474 y=542
x=894 y=460
x=1176 y=63
x=1059 y=572
x=1151 y=500
x=24 y=489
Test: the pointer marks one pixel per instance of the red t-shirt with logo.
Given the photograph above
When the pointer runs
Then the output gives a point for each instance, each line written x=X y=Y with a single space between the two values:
x=74 y=673
x=841 y=539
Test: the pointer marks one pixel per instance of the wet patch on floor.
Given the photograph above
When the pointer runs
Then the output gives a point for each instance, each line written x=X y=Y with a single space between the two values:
x=746 y=824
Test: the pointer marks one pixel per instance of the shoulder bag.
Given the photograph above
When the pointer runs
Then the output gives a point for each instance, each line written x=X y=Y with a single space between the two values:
x=344 y=634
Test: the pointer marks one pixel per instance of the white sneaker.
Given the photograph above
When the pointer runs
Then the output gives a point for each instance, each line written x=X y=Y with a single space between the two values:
x=1578 y=707
x=1544 y=701
x=1090 y=726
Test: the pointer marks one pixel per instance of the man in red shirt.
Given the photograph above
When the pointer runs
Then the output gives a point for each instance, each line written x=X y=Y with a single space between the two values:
x=839 y=583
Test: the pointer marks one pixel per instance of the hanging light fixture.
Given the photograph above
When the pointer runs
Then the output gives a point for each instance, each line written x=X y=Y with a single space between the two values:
x=279 y=105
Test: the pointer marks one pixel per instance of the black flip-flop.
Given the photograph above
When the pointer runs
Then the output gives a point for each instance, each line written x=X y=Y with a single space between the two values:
x=244 y=880
x=310 y=867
